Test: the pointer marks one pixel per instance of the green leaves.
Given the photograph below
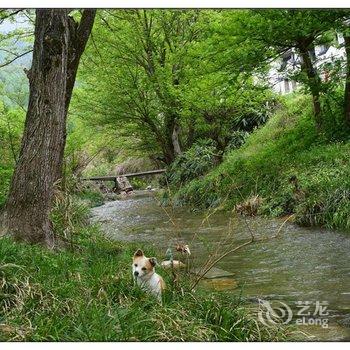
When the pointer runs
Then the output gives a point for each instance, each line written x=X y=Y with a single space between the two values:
x=148 y=72
x=11 y=126
x=195 y=162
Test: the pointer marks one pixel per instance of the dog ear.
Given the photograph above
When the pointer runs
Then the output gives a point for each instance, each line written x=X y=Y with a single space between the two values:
x=153 y=261
x=138 y=252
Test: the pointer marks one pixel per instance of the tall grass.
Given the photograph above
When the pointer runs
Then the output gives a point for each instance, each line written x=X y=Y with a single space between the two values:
x=85 y=292
x=88 y=295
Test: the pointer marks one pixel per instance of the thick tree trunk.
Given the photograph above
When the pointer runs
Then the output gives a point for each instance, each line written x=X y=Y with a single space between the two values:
x=59 y=44
x=347 y=81
x=32 y=186
x=313 y=83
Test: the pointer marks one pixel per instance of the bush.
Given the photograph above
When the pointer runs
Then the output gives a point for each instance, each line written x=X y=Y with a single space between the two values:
x=237 y=140
x=334 y=127
x=195 y=162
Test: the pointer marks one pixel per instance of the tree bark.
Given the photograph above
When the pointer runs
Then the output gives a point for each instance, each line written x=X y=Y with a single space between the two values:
x=32 y=186
x=59 y=44
x=313 y=83
x=347 y=81
x=176 y=140
x=78 y=37
x=171 y=129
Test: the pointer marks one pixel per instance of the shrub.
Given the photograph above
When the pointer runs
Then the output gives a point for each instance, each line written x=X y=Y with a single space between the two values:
x=237 y=140
x=195 y=162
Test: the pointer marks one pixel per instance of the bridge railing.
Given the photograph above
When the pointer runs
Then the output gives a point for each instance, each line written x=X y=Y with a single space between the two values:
x=114 y=177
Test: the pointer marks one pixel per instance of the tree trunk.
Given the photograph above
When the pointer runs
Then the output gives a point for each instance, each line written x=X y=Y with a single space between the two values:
x=32 y=186
x=59 y=44
x=78 y=38
x=175 y=139
x=313 y=83
x=347 y=81
x=172 y=136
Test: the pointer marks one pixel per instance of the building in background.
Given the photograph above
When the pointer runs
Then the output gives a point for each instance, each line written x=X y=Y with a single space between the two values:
x=289 y=63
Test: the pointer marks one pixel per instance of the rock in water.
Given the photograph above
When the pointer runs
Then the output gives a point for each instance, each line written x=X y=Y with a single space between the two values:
x=124 y=184
x=220 y=284
x=214 y=272
x=167 y=264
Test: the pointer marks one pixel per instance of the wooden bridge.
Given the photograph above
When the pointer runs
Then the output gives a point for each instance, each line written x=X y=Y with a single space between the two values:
x=114 y=177
x=119 y=184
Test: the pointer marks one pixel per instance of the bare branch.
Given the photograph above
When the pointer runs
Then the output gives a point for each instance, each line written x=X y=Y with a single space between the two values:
x=15 y=58
x=9 y=15
x=251 y=240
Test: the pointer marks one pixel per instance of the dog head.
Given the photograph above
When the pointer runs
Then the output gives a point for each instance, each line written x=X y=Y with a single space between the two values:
x=141 y=265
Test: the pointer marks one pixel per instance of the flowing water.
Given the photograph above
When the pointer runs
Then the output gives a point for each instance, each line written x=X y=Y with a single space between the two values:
x=301 y=265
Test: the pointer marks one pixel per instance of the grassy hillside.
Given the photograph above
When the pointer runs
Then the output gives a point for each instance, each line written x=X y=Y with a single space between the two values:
x=289 y=166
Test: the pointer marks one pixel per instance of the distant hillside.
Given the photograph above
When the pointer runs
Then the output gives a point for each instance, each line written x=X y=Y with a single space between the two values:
x=14 y=87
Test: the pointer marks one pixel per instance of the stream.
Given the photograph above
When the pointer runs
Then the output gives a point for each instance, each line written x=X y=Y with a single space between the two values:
x=302 y=267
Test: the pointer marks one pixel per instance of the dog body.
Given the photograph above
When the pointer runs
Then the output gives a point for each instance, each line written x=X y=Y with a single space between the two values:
x=145 y=275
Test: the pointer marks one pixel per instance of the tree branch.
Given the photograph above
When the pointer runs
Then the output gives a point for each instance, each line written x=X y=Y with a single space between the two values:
x=15 y=58
x=9 y=15
x=251 y=240
x=79 y=36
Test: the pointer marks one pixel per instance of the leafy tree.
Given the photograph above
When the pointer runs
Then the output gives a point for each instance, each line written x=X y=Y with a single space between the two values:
x=266 y=34
x=216 y=108
x=133 y=75
x=148 y=75
x=343 y=26
x=16 y=38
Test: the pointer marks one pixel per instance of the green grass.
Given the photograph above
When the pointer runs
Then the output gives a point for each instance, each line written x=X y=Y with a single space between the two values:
x=5 y=176
x=92 y=197
x=87 y=294
x=288 y=145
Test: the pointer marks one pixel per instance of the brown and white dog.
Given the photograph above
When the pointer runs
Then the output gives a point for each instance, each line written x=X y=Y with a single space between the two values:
x=145 y=275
